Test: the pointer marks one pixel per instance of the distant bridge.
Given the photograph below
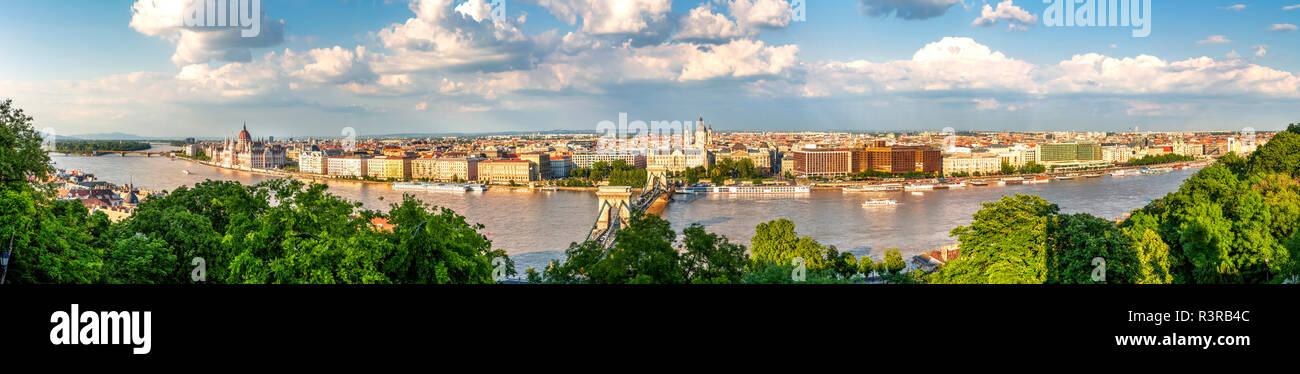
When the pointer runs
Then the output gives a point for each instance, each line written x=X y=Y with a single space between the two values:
x=122 y=153
x=617 y=205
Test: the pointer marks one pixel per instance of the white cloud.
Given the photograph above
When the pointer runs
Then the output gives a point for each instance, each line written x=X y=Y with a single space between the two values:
x=1233 y=55
x=1291 y=7
x=1260 y=50
x=459 y=38
x=160 y=18
x=753 y=14
x=1005 y=11
x=1214 y=39
x=950 y=64
x=1146 y=75
x=603 y=17
x=1236 y=7
x=1282 y=27
x=702 y=24
x=906 y=9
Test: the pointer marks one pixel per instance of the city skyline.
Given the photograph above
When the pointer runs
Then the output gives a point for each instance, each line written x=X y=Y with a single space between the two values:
x=446 y=67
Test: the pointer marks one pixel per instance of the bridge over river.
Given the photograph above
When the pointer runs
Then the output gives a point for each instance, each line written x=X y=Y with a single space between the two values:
x=617 y=204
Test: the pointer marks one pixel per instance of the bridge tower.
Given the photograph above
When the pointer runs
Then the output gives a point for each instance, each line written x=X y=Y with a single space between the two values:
x=656 y=177
x=615 y=203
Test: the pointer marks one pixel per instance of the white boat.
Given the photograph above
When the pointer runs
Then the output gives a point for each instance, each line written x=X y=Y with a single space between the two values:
x=453 y=187
x=1125 y=173
x=1092 y=175
x=1157 y=170
x=961 y=184
x=750 y=190
x=1037 y=180
x=187 y=172
x=882 y=202
x=875 y=188
x=919 y=187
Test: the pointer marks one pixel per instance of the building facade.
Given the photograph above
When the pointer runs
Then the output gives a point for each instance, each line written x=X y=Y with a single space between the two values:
x=347 y=166
x=313 y=162
x=972 y=163
x=584 y=160
x=445 y=169
x=244 y=152
x=389 y=167
x=822 y=163
x=506 y=171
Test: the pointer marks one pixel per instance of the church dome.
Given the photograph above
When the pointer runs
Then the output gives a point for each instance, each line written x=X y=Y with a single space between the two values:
x=243 y=135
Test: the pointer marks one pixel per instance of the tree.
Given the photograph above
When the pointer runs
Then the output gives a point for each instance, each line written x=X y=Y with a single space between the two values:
x=776 y=241
x=1075 y=240
x=139 y=260
x=21 y=156
x=1007 y=168
x=711 y=258
x=894 y=263
x=1004 y=243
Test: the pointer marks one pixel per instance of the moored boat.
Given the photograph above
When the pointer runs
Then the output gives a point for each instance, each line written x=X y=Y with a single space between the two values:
x=880 y=202
x=452 y=187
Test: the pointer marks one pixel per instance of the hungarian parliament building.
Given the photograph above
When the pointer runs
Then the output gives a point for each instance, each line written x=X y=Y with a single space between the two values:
x=243 y=152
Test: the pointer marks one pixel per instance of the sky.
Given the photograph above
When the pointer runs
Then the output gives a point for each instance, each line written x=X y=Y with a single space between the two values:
x=315 y=67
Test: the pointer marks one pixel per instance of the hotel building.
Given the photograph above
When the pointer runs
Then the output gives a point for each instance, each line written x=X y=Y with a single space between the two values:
x=313 y=162
x=506 y=171
x=389 y=167
x=822 y=163
x=445 y=169
x=347 y=166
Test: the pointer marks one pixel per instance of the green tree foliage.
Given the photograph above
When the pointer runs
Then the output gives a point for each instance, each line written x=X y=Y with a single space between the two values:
x=644 y=254
x=1232 y=222
x=1031 y=168
x=776 y=241
x=1074 y=240
x=1160 y=159
x=1279 y=155
x=711 y=258
x=21 y=156
x=1007 y=168
x=139 y=260
x=87 y=146
x=1004 y=244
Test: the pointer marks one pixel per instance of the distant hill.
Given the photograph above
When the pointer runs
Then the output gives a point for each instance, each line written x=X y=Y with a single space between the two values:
x=106 y=136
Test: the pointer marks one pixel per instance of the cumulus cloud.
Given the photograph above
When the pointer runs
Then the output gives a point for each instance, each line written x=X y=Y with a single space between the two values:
x=463 y=37
x=1282 y=27
x=702 y=24
x=990 y=16
x=1143 y=75
x=603 y=17
x=992 y=104
x=1260 y=50
x=951 y=64
x=1214 y=39
x=754 y=14
x=906 y=9
x=161 y=18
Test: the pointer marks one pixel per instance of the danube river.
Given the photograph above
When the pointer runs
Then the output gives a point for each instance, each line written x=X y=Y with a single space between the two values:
x=535 y=227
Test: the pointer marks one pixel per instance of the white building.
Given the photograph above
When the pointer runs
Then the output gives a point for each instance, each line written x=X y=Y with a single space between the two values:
x=347 y=166
x=971 y=163
x=313 y=162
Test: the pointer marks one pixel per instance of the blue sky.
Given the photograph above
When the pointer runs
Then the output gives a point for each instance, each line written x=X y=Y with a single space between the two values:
x=435 y=66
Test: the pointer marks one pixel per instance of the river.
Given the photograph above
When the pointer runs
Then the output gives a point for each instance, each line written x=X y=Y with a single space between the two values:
x=535 y=227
